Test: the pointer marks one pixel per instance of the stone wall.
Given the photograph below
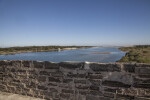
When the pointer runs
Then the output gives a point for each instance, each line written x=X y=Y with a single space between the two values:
x=76 y=81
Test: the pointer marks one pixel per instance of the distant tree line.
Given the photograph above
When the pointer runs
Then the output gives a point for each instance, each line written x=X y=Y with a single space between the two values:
x=34 y=48
x=142 y=46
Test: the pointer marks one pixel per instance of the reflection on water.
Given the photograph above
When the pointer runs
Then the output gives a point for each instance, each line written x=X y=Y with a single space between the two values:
x=88 y=54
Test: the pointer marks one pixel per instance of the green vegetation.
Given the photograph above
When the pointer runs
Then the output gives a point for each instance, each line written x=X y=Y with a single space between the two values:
x=139 y=54
x=14 y=50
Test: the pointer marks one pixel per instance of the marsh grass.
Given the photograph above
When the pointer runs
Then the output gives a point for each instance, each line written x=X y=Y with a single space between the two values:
x=139 y=54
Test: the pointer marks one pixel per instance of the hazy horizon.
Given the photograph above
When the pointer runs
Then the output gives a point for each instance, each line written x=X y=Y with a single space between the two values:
x=74 y=22
x=77 y=45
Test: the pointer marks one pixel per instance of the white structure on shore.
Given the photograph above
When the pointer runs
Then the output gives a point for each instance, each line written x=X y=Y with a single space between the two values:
x=59 y=49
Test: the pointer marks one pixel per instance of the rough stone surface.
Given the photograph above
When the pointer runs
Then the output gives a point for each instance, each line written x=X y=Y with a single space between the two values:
x=76 y=80
x=10 y=96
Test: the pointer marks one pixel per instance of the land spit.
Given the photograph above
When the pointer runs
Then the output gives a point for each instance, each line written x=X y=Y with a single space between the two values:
x=76 y=80
x=16 y=50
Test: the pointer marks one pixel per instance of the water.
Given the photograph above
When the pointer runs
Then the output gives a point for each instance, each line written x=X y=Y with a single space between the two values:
x=71 y=55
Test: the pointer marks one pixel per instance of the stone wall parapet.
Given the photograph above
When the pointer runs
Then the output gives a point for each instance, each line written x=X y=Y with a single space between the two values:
x=76 y=80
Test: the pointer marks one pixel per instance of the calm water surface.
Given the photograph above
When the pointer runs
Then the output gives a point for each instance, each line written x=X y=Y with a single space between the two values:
x=71 y=55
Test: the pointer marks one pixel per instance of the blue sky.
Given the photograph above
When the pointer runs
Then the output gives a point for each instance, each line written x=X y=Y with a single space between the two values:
x=74 y=22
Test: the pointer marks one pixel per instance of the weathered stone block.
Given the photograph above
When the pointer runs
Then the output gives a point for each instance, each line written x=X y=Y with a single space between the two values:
x=26 y=63
x=38 y=64
x=71 y=75
x=91 y=97
x=1 y=76
x=19 y=90
x=64 y=85
x=49 y=65
x=10 y=75
x=126 y=97
x=11 y=89
x=21 y=71
x=144 y=75
x=142 y=70
x=83 y=92
x=130 y=91
x=53 y=90
x=105 y=67
x=56 y=95
x=95 y=76
x=108 y=94
x=42 y=87
x=32 y=72
x=78 y=97
x=65 y=96
x=54 y=79
x=82 y=86
x=113 y=90
x=141 y=98
x=13 y=70
x=80 y=81
x=57 y=74
x=29 y=94
x=3 y=83
x=2 y=87
x=122 y=77
x=129 y=67
x=115 y=84
x=142 y=65
x=82 y=75
x=95 y=82
x=18 y=81
x=2 y=63
x=16 y=63
x=71 y=65
x=67 y=91
x=31 y=85
x=56 y=99
x=67 y=80
x=1 y=73
x=32 y=76
x=44 y=73
x=37 y=93
x=2 y=69
x=93 y=87
x=98 y=67
x=42 y=78
x=52 y=84
x=48 y=97
x=147 y=92
x=12 y=84
x=25 y=81
x=96 y=93
x=141 y=81
x=138 y=85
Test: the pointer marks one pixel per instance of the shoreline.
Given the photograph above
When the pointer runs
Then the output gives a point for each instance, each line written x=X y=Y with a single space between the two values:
x=120 y=48
x=50 y=50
